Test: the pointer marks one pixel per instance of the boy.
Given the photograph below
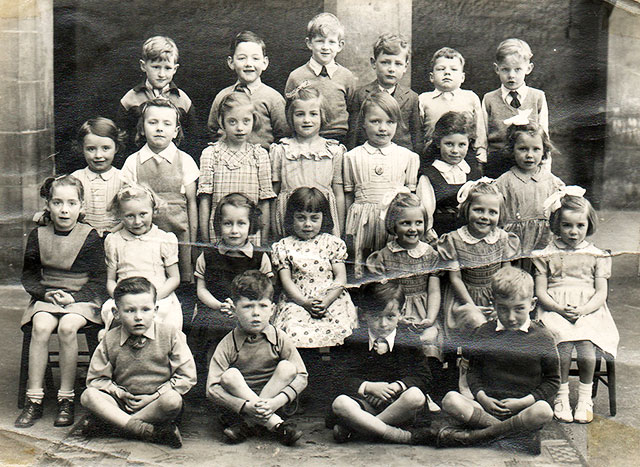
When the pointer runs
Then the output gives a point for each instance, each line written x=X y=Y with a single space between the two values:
x=390 y=60
x=255 y=369
x=386 y=386
x=514 y=371
x=513 y=99
x=140 y=370
x=159 y=63
x=447 y=75
x=248 y=59
x=325 y=39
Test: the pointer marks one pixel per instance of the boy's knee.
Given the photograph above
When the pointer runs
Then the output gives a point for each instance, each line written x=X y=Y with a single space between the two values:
x=286 y=370
x=342 y=405
x=231 y=378
x=542 y=412
x=89 y=397
x=452 y=401
x=170 y=402
x=429 y=335
x=413 y=397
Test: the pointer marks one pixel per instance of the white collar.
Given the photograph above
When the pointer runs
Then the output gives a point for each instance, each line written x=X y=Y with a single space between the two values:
x=522 y=92
x=385 y=151
x=149 y=333
x=417 y=252
x=317 y=67
x=525 y=326
x=108 y=175
x=446 y=95
x=444 y=167
x=391 y=339
x=167 y=153
x=251 y=87
x=390 y=90
x=560 y=244
x=145 y=237
x=491 y=238
x=155 y=91
x=246 y=249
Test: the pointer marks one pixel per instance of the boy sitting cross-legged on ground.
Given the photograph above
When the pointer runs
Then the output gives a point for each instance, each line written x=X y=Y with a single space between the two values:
x=514 y=372
x=140 y=370
x=386 y=384
x=255 y=369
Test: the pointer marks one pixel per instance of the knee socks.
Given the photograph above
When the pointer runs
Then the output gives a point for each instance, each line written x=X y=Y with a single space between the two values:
x=139 y=428
x=480 y=418
x=396 y=435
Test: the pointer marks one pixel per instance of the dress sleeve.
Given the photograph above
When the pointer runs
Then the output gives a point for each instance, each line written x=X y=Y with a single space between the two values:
x=265 y=187
x=338 y=151
x=447 y=249
x=411 y=179
x=279 y=256
x=347 y=175
x=375 y=263
x=207 y=169
x=31 y=268
x=540 y=263
x=603 y=266
x=111 y=252
x=169 y=249
x=337 y=250
x=201 y=267
x=511 y=246
x=276 y=152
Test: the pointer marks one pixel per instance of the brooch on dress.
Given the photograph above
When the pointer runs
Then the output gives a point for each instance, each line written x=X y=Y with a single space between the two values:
x=379 y=170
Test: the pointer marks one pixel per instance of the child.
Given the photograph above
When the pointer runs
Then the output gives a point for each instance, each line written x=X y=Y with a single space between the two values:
x=159 y=63
x=325 y=39
x=526 y=185
x=140 y=370
x=513 y=371
x=233 y=165
x=170 y=173
x=307 y=159
x=513 y=99
x=99 y=140
x=64 y=273
x=571 y=285
x=315 y=310
x=255 y=369
x=447 y=75
x=390 y=60
x=374 y=173
x=387 y=379
x=143 y=249
x=248 y=58
x=412 y=263
x=441 y=180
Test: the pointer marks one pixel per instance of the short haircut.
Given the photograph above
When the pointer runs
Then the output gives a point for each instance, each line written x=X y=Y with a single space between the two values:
x=574 y=203
x=133 y=286
x=304 y=93
x=446 y=52
x=480 y=189
x=391 y=44
x=134 y=191
x=532 y=129
x=158 y=102
x=46 y=189
x=237 y=99
x=104 y=128
x=376 y=295
x=383 y=100
x=247 y=36
x=451 y=123
x=323 y=25
x=513 y=47
x=238 y=200
x=160 y=48
x=252 y=285
x=511 y=282
x=308 y=199
x=398 y=204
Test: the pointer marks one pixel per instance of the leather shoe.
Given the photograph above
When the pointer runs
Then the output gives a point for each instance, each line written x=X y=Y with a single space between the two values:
x=167 y=434
x=66 y=410
x=30 y=413
x=427 y=436
x=450 y=437
x=341 y=434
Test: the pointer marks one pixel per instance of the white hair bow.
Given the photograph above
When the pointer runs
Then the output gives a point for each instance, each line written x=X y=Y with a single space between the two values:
x=553 y=202
x=522 y=118
x=463 y=192
x=388 y=197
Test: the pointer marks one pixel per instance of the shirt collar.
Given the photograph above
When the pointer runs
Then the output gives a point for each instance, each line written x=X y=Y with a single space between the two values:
x=128 y=236
x=524 y=328
x=252 y=87
x=167 y=153
x=417 y=252
x=563 y=246
x=149 y=333
x=246 y=249
x=390 y=90
x=491 y=238
x=385 y=151
x=317 y=68
x=446 y=95
x=522 y=92
x=391 y=339
x=108 y=175
x=535 y=177
x=240 y=336
x=444 y=167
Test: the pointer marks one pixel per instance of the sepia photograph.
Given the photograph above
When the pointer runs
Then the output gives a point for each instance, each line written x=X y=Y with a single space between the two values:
x=320 y=232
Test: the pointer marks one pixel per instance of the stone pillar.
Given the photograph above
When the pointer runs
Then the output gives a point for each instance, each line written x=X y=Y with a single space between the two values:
x=364 y=20
x=26 y=121
x=622 y=154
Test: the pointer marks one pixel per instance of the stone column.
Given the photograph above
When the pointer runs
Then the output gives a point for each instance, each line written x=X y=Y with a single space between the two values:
x=364 y=20
x=26 y=121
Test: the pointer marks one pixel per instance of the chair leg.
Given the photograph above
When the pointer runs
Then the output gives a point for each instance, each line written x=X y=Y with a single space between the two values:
x=596 y=374
x=611 y=380
x=24 y=369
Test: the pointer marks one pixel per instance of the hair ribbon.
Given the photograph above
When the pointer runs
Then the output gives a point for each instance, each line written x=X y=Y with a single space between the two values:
x=554 y=202
x=522 y=118
x=388 y=197
x=293 y=94
x=463 y=192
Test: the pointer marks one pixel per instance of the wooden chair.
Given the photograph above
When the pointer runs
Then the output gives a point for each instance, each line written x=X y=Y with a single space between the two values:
x=605 y=376
x=90 y=331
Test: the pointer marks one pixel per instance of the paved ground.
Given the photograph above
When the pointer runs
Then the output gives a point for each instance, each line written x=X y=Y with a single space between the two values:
x=607 y=441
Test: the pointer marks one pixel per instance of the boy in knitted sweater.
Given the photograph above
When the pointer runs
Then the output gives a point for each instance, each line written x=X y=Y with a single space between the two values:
x=140 y=370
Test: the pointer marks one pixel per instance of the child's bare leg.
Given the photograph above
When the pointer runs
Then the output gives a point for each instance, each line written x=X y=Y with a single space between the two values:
x=283 y=375
x=586 y=360
x=467 y=411
x=404 y=408
x=68 y=335
x=565 y=350
x=234 y=383
x=166 y=407
x=104 y=406
x=43 y=325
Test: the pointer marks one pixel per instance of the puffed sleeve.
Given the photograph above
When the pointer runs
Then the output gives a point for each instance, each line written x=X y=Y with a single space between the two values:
x=337 y=249
x=603 y=265
x=169 y=249
x=207 y=169
x=201 y=267
x=540 y=263
x=411 y=179
x=279 y=256
x=337 y=150
x=111 y=251
x=511 y=246
x=375 y=263
x=447 y=251
x=276 y=153
x=265 y=188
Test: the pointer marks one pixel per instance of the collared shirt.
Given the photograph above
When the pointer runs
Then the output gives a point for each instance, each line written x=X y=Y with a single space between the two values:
x=317 y=68
x=523 y=91
x=390 y=339
x=251 y=87
x=155 y=91
x=491 y=238
x=99 y=191
x=389 y=90
x=523 y=328
x=453 y=174
x=385 y=151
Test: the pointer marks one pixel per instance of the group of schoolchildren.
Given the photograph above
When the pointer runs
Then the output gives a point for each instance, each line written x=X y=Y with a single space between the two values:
x=403 y=215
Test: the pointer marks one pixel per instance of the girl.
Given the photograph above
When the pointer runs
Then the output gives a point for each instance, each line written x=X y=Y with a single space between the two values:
x=414 y=263
x=315 y=310
x=65 y=275
x=571 y=285
x=234 y=165
x=441 y=179
x=99 y=140
x=374 y=173
x=170 y=173
x=526 y=185
x=142 y=249
x=307 y=159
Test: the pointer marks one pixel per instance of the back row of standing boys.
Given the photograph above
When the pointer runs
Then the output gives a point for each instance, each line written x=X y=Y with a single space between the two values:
x=321 y=193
